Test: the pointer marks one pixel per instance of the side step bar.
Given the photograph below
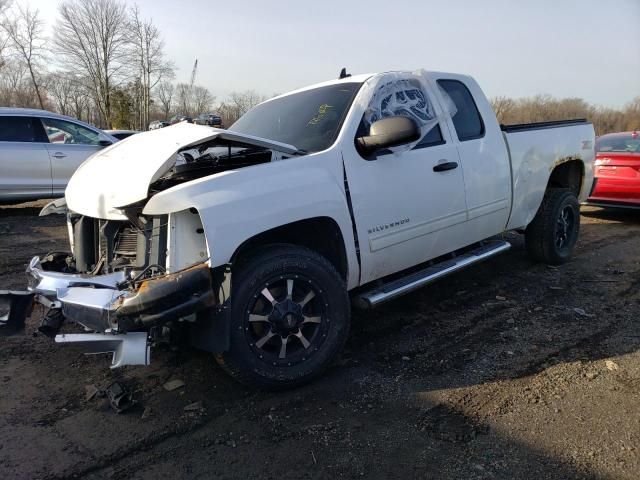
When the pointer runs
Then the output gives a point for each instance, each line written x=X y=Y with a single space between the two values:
x=413 y=281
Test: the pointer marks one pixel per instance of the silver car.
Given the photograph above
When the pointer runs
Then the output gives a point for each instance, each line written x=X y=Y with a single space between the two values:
x=40 y=150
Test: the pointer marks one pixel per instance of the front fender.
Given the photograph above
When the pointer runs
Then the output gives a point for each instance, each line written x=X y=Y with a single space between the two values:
x=236 y=205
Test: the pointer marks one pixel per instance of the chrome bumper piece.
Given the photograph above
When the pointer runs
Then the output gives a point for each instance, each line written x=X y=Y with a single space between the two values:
x=91 y=301
x=102 y=304
x=47 y=283
x=128 y=349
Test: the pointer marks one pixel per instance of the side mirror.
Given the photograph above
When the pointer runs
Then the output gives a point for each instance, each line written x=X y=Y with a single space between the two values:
x=388 y=132
x=104 y=141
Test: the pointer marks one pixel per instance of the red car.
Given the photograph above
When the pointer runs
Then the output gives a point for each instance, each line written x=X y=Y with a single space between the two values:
x=617 y=171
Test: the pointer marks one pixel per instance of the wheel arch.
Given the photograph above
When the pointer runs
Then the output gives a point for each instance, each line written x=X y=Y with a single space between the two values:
x=568 y=174
x=320 y=234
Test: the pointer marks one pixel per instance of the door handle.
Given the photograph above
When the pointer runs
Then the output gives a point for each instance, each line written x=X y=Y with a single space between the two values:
x=443 y=167
x=59 y=155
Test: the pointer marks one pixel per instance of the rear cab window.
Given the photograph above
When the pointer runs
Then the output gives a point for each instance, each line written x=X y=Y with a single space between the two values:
x=21 y=129
x=467 y=119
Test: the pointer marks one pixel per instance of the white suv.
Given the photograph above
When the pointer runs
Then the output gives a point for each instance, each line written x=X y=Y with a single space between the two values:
x=40 y=150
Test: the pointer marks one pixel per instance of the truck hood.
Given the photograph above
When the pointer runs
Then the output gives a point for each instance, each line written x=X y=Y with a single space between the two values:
x=120 y=175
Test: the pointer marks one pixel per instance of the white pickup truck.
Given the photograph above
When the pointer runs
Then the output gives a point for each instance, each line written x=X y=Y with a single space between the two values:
x=253 y=242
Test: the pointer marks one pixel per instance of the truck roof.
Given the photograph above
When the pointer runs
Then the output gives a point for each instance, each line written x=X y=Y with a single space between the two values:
x=355 y=78
x=361 y=78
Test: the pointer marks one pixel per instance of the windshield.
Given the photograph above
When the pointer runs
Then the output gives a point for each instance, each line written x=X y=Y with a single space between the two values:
x=309 y=120
x=618 y=143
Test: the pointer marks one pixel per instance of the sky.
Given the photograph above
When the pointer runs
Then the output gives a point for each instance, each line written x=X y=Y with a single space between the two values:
x=565 y=48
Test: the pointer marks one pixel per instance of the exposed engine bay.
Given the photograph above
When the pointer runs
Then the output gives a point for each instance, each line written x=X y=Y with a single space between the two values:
x=210 y=158
x=138 y=246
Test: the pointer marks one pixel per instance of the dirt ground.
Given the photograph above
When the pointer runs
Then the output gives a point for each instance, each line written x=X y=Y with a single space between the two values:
x=507 y=370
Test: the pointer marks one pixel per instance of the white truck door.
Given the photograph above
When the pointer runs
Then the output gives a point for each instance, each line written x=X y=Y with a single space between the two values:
x=407 y=208
x=485 y=160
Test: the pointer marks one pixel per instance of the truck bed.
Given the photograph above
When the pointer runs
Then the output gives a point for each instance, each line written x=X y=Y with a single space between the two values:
x=519 y=127
x=535 y=149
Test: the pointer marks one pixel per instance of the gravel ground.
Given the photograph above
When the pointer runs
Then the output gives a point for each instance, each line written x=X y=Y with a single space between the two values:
x=507 y=370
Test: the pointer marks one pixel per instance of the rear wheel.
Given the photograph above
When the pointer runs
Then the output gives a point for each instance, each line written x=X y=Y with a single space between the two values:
x=290 y=316
x=553 y=233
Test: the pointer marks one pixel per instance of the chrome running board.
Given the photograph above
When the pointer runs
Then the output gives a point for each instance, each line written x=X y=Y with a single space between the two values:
x=413 y=281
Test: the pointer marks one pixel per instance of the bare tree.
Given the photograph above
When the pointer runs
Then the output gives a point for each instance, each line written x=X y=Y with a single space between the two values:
x=165 y=93
x=91 y=39
x=16 y=89
x=202 y=99
x=502 y=106
x=545 y=107
x=148 y=56
x=24 y=30
x=245 y=101
x=632 y=114
x=183 y=98
x=81 y=101
x=61 y=87
x=238 y=104
x=4 y=4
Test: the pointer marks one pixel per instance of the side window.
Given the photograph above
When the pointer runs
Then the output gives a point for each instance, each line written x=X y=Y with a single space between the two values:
x=404 y=97
x=467 y=119
x=61 y=131
x=20 y=129
x=434 y=137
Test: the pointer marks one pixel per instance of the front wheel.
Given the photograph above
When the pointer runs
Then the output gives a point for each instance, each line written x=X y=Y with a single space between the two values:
x=553 y=233
x=290 y=317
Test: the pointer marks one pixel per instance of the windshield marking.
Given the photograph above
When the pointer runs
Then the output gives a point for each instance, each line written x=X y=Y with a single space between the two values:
x=322 y=111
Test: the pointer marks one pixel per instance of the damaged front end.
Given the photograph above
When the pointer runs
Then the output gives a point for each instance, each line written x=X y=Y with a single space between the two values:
x=123 y=286
x=133 y=279
x=122 y=313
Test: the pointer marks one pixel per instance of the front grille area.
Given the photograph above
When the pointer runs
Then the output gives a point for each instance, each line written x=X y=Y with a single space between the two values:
x=103 y=246
x=126 y=242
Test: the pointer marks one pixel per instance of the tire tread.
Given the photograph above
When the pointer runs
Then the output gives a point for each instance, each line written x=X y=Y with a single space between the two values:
x=539 y=234
x=255 y=261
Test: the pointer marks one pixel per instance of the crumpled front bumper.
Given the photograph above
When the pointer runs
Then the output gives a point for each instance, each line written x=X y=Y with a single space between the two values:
x=101 y=303
x=119 y=315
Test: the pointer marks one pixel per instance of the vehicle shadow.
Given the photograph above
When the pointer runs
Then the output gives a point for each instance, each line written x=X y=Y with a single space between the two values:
x=425 y=388
x=543 y=315
x=622 y=215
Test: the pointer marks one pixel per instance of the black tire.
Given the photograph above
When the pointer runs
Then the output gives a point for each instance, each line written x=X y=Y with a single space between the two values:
x=553 y=233
x=322 y=321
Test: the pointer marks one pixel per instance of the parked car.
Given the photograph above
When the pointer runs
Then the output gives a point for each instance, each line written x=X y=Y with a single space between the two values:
x=121 y=134
x=366 y=187
x=180 y=118
x=158 y=124
x=210 y=119
x=40 y=150
x=617 y=171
